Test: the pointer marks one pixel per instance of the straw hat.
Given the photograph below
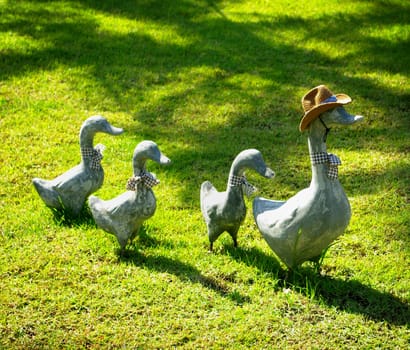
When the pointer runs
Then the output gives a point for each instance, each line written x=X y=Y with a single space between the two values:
x=319 y=100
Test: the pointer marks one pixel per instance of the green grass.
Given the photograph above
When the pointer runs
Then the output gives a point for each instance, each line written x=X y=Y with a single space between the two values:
x=204 y=79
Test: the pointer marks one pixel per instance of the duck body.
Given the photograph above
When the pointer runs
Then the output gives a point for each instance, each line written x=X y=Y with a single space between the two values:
x=302 y=227
x=123 y=215
x=226 y=211
x=222 y=211
x=69 y=191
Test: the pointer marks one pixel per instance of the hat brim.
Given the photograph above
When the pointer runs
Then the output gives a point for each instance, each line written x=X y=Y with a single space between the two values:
x=311 y=115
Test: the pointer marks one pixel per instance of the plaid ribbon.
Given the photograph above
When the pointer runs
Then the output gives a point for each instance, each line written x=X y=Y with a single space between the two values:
x=93 y=154
x=241 y=181
x=329 y=158
x=146 y=178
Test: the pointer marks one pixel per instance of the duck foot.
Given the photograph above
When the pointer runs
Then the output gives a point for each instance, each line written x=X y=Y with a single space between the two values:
x=122 y=253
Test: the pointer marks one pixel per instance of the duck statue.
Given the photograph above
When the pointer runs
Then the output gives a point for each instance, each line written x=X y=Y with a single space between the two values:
x=123 y=215
x=302 y=227
x=225 y=211
x=69 y=191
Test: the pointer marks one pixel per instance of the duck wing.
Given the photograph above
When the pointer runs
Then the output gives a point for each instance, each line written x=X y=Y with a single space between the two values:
x=73 y=181
x=108 y=215
x=118 y=208
x=121 y=216
x=261 y=205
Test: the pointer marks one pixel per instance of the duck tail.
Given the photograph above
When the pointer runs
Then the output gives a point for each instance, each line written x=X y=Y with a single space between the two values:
x=94 y=203
x=47 y=192
x=207 y=188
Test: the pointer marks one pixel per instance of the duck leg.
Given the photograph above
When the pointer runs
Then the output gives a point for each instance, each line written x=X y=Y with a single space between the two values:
x=234 y=235
x=122 y=240
x=134 y=234
x=123 y=253
x=213 y=234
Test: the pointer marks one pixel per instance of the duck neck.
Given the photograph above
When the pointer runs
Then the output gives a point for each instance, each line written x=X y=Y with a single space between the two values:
x=317 y=144
x=89 y=156
x=139 y=166
x=86 y=138
x=234 y=186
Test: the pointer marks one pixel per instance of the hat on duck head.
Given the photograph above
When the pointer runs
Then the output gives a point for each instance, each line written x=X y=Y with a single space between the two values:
x=319 y=100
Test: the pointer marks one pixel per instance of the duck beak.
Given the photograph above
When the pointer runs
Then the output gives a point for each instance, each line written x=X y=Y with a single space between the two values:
x=265 y=171
x=269 y=173
x=358 y=118
x=345 y=118
x=112 y=130
x=352 y=119
x=164 y=160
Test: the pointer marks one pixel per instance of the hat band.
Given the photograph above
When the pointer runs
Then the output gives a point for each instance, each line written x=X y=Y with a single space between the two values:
x=332 y=98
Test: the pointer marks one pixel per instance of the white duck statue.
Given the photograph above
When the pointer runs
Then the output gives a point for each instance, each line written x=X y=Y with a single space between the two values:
x=123 y=215
x=69 y=191
x=302 y=227
x=225 y=211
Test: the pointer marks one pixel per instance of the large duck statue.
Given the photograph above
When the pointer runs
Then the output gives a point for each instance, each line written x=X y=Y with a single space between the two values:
x=225 y=211
x=123 y=215
x=69 y=191
x=302 y=227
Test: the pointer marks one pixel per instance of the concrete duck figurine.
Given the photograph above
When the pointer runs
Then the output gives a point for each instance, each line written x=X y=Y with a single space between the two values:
x=225 y=211
x=69 y=191
x=302 y=227
x=123 y=216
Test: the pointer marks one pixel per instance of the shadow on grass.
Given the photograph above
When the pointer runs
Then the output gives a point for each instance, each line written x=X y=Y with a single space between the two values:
x=352 y=296
x=65 y=218
x=345 y=295
x=254 y=257
x=231 y=53
x=183 y=271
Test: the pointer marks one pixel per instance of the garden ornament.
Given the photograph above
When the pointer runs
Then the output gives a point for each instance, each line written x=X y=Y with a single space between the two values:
x=225 y=211
x=69 y=191
x=123 y=216
x=302 y=227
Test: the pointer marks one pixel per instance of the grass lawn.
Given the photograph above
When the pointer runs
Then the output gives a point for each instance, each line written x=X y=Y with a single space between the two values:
x=204 y=79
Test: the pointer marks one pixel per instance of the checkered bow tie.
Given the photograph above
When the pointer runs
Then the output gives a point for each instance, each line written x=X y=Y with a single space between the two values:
x=241 y=181
x=94 y=154
x=329 y=158
x=146 y=178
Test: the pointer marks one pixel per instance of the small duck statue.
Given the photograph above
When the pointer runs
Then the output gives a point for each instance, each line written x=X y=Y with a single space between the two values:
x=123 y=215
x=302 y=227
x=69 y=191
x=225 y=211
